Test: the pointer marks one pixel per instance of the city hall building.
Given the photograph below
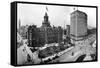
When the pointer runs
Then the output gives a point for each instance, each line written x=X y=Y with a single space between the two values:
x=45 y=34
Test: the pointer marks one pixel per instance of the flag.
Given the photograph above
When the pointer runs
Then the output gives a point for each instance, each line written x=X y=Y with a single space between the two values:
x=46 y=8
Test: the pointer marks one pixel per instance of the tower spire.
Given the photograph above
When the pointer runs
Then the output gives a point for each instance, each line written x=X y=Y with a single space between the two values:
x=46 y=22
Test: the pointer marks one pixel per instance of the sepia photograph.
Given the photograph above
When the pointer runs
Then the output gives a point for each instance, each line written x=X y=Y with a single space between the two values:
x=49 y=34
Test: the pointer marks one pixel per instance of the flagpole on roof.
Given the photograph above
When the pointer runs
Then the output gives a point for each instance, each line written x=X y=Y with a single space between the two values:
x=77 y=7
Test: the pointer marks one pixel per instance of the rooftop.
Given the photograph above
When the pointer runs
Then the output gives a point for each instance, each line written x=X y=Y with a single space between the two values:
x=79 y=12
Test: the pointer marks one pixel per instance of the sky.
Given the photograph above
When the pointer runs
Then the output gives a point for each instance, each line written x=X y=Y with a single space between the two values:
x=58 y=15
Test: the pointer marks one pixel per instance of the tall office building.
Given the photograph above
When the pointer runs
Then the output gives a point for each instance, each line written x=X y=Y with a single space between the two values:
x=68 y=30
x=78 y=27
